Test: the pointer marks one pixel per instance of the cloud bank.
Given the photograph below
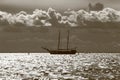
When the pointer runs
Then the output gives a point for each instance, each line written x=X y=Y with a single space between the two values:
x=53 y=18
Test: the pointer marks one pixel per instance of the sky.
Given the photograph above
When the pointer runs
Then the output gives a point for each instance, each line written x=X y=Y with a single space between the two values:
x=59 y=4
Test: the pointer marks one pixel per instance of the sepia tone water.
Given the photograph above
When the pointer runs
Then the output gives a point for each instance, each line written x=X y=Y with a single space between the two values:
x=43 y=66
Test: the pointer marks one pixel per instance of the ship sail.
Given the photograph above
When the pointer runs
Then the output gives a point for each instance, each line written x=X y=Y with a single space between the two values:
x=59 y=41
x=68 y=40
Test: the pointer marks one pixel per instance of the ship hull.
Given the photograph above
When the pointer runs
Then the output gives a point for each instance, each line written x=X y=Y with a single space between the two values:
x=62 y=51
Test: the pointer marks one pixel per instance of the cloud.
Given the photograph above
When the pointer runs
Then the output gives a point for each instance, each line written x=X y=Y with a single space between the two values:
x=38 y=18
x=5 y=18
x=106 y=15
x=53 y=18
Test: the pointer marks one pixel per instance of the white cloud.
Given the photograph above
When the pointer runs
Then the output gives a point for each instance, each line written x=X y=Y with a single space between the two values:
x=48 y=18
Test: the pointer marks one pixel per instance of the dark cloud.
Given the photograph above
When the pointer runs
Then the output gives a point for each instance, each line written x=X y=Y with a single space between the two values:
x=60 y=3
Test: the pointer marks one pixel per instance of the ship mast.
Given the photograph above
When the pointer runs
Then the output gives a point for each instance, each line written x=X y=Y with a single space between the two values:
x=59 y=41
x=68 y=40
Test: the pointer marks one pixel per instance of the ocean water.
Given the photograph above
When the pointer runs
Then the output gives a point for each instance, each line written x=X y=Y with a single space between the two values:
x=81 y=66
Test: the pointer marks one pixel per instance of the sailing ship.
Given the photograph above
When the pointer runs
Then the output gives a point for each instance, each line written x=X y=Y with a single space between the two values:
x=62 y=51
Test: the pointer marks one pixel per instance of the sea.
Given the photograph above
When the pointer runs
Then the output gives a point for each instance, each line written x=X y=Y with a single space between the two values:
x=44 y=66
